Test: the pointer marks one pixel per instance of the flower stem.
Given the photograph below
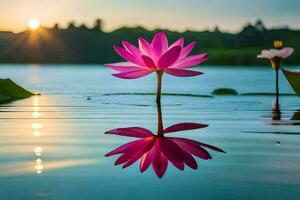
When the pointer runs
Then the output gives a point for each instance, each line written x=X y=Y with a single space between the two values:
x=277 y=85
x=159 y=82
x=158 y=103
x=276 y=64
x=277 y=94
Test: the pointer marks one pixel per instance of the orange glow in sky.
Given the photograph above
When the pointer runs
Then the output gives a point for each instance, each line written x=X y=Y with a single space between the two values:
x=179 y=15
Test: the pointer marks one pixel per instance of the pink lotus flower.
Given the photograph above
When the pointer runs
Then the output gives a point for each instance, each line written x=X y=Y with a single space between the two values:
x=275 y=56
x=272 y=53
x=159 y=150
x=156 y=56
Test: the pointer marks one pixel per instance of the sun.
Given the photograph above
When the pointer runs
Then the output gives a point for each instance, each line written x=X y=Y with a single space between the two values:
x=33 y=24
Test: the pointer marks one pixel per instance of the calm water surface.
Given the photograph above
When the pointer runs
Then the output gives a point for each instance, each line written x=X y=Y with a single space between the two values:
x=53 y=146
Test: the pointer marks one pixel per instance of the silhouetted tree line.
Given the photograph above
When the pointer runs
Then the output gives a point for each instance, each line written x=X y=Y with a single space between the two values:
x=80 y=44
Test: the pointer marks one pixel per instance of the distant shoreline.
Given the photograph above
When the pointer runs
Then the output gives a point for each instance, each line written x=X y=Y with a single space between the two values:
x=83 y=45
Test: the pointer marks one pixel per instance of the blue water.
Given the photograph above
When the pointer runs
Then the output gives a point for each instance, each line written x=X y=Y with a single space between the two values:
x=53 y=146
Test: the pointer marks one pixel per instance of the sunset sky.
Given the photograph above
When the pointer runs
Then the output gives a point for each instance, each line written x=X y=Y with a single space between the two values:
x=229 y=15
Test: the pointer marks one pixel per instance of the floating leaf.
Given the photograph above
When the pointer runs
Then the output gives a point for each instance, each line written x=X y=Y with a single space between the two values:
x=10 y=91
x=294 y=80
x=224 y=91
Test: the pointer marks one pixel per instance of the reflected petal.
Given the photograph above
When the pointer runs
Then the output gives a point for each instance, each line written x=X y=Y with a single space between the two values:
x=123 y=148
x=140 y=152
x=189 y=160
x=183 y=127
x=131 y=151
x=196 y=143
x=147 y=159
x=131 y=132
x=172 y=152
x=158 y=150
x=192 y=149
x=160 y=163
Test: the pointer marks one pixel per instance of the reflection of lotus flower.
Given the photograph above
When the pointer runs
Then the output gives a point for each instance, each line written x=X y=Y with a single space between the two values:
x=157 y=56
x=158 y=150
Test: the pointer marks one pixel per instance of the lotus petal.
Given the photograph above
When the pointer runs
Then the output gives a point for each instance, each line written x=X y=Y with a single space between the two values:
x=160 y=163
x=190 y=61
x=123 y=148
x=148 y=62
x=186 y=50
x=128 y=56
x=131 y=49
x=179 y=42
x=147 y=159
x=183 y=127
x=268 y=54
x=140 y=152
x=122 y=64
x=169 y=57
x=159 y=44
x=133 y=74
x=285 y=52
x=189 y=160
x=196 y=143
x=145 y=47
x=272 y=53
x=192 y=149
x=131 y=132
x=143 y=143
x=123 y=68
x=182 y=72
x=172 y=152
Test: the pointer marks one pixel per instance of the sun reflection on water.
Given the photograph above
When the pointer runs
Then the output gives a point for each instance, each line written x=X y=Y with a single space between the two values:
x=35 y=136
x=36 y=132
x=36 y=115
x=38 y=151
x=36 y=126
x=39 y=167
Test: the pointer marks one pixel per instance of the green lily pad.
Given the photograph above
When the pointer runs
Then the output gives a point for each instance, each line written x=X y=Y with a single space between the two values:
x=294 y=80
x=224 y=91
x=5 y=99
x=10 y=91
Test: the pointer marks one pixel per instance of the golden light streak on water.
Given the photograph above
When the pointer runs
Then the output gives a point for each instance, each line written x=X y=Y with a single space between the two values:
x=38 y=151
x=36 y=133
x=36 y=115
x=36 y=126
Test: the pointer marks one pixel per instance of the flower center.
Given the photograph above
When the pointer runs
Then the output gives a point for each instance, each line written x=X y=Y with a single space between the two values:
x=277 y=44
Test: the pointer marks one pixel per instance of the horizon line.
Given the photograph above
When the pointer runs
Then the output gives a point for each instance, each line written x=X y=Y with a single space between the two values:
x=90 y=26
